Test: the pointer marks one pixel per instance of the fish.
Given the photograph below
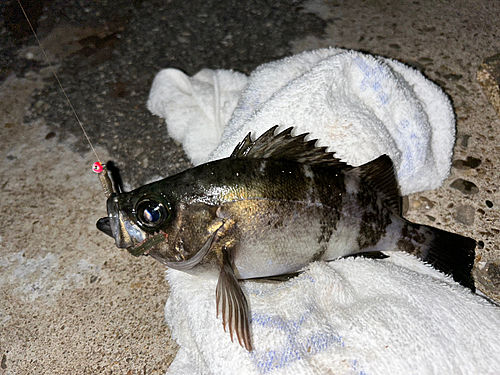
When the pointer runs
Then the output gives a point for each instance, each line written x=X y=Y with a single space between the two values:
x=275 y=205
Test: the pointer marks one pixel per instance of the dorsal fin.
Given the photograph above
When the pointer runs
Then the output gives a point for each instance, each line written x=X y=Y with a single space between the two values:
x=379 y=175
x=284 y=146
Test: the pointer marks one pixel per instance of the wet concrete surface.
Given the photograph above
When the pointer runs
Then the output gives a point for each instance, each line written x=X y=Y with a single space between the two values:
x=71 y=301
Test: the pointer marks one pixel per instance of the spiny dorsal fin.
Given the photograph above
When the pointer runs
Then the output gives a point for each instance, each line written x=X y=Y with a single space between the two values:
x=284 y=146
x=379 y=175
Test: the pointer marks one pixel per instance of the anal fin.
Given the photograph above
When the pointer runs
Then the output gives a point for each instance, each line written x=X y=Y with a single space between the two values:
x=369 y=255
x=278 y=278
x=232 y=304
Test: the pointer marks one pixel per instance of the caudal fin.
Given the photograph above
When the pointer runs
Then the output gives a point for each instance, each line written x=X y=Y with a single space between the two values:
x=452 y=254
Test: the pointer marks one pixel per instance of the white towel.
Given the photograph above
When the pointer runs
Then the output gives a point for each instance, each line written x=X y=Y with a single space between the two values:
x=359 y=105
x=351 y=316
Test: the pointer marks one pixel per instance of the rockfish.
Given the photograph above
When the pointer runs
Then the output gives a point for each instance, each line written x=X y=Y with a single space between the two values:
x=272 y=207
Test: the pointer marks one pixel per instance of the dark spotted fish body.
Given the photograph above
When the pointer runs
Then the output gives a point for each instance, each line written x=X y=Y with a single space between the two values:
x=275 y=205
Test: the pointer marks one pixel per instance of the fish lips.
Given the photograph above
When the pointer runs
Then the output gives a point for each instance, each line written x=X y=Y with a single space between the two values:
x=126 y=233
x=104 y=226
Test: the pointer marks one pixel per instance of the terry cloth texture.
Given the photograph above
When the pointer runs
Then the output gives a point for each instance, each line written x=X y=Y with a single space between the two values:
x=358 y=105
x=351 y=316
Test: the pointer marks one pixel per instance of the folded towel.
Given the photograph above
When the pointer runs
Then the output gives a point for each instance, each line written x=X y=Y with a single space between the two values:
x=360 y=106
x=351 y=316
x=196 y=109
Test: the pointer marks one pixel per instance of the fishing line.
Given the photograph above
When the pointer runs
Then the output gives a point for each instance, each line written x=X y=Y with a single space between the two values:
x=98 y=167
x=59 y=82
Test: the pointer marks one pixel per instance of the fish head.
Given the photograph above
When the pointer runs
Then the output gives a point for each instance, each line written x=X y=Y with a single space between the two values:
x=146 y=222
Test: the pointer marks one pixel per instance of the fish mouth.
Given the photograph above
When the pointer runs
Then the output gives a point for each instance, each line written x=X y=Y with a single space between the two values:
x=139 y=248
x=104 y=226
x=125 y=232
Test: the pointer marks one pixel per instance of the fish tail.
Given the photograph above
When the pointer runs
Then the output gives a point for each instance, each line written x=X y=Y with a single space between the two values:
x=452 y=254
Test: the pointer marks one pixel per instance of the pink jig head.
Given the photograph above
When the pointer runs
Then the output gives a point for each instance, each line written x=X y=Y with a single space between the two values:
x=97 y=167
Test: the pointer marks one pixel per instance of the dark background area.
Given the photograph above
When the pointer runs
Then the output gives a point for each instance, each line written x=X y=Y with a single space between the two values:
x=109 y=74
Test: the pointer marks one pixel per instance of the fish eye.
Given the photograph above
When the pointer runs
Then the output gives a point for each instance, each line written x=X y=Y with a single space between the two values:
x=151 y=213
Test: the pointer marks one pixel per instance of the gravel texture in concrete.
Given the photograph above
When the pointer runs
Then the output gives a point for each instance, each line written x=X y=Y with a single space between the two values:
x=71 y=302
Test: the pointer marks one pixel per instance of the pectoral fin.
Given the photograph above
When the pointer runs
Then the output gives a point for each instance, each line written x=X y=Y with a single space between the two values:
x=231 y=302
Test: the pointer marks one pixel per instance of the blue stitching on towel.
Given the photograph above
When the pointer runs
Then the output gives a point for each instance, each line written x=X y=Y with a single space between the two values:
x=411 y=147
x=355 y=365
x=407 y=162
x=295 y=349
x=374 y=75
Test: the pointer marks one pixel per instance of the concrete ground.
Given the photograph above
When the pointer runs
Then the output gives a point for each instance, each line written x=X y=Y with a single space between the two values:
x=71 y=302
